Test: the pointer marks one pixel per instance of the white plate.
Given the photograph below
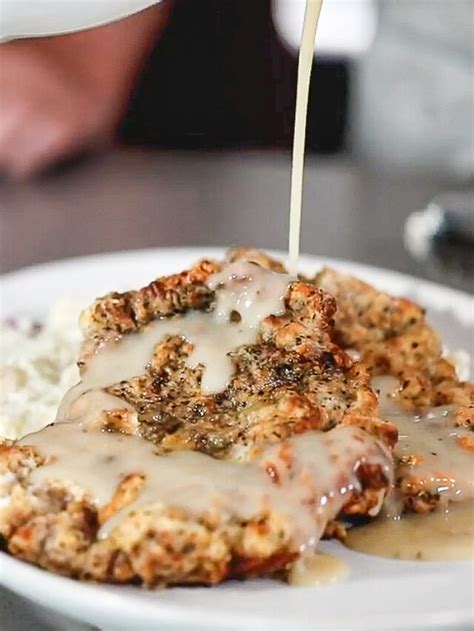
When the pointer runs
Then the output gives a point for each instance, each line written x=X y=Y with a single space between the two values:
x=380 y=594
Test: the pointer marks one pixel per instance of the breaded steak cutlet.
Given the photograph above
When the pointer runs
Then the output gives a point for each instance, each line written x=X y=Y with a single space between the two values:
x=298 y=415
x=57 y=525
x=293 y=379
x=392 y=338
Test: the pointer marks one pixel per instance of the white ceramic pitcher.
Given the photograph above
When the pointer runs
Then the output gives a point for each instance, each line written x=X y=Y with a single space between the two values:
x=36 y=18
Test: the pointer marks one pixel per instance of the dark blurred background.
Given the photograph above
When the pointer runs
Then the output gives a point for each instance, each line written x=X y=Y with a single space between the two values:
x=221 y=77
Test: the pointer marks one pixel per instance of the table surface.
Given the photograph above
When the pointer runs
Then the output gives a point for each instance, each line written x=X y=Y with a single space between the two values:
x=134 y=199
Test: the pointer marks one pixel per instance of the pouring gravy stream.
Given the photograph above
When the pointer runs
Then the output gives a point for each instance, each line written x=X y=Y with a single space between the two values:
x=305 y=63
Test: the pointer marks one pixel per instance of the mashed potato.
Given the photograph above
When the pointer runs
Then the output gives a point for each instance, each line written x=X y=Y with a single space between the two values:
x=37 y=366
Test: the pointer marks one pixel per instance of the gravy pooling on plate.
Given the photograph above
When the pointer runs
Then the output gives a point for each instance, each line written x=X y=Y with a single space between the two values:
x=444 y=535
x=432 y=454
x=432 y=450
x=318 y=569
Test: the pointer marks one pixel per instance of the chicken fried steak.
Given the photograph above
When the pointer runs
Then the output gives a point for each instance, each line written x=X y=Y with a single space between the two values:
x=217 y=432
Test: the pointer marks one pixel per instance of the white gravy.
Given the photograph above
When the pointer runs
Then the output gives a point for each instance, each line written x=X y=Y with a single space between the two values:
x=431 y=437
x=244 y=292
x=440 y=536
x=306 y=480
x=89 y=409
x=305 y=63
x=318 y=569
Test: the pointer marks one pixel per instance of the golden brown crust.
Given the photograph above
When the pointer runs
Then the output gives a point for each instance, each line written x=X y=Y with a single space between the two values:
x=255 y=256
x=120 y=313
x=465 y=417
x=393 y=338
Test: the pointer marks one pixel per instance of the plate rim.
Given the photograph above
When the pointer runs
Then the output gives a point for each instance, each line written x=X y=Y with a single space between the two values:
x=72 y=261
x=202 y=617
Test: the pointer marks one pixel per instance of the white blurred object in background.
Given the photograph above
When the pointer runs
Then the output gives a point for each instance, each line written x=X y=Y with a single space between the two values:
x=346 y=27
x=413 y=81
x=414 y=103
x=35 y=18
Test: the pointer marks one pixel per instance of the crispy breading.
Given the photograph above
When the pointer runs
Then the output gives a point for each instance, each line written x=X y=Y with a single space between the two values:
x=393 y=337
x=126 y=312
x=255 y=256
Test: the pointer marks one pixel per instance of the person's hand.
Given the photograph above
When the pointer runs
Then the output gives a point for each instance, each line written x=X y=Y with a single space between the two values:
x=61 y=95
x=47 y=109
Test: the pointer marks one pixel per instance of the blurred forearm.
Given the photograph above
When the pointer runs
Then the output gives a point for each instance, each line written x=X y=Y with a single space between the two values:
x=110 y=57
x=67 y=93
